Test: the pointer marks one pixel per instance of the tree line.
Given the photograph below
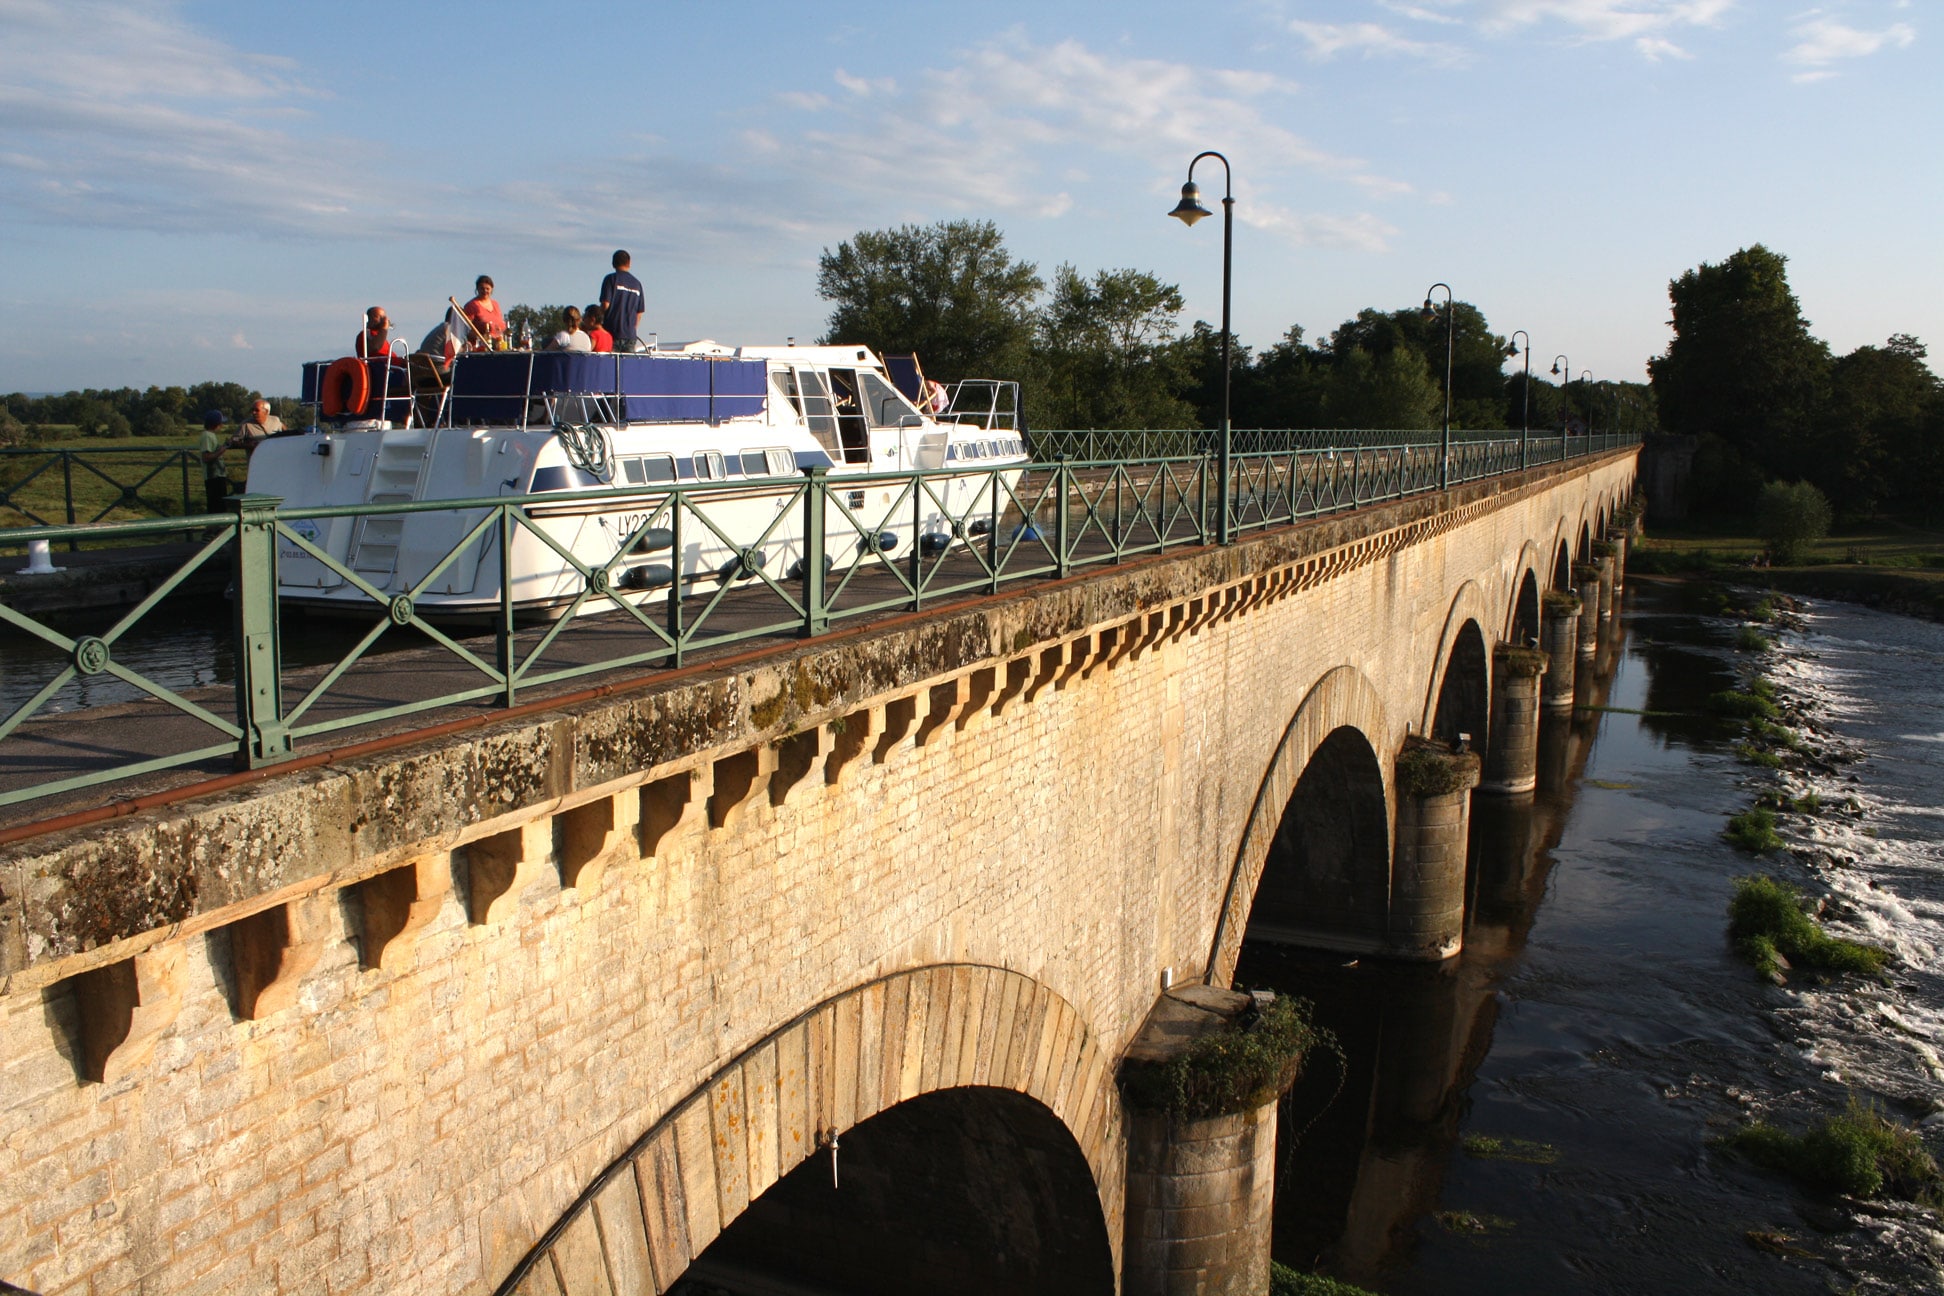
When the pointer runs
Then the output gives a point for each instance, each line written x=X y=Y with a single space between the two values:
x=164 y=412
x=1108 y=350
x=1768 y=402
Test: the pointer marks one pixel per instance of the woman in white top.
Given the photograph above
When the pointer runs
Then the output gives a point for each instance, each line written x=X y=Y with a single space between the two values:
x=570 y=337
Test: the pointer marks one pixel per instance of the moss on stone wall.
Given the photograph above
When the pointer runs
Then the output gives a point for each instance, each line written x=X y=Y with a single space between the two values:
x=1428 y=770
x=1233 y=1070
x=1519 y=661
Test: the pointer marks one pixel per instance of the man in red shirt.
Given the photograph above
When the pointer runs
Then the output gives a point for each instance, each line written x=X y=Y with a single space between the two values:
x=376 y=338
x=485 y=315
x=591 y=325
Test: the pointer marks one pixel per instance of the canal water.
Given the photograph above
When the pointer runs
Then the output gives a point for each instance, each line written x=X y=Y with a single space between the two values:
x=1537 y=1116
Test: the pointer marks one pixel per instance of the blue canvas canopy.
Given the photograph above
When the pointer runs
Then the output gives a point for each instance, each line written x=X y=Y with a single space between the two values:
x=497 y=387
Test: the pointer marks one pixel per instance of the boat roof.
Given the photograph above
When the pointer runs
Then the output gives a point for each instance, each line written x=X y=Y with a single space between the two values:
x=851 y=355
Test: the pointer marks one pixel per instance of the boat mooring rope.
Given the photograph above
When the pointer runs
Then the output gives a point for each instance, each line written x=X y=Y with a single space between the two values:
x=587 y=448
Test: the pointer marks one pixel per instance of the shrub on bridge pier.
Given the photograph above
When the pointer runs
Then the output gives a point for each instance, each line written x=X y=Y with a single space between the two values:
x=1237 y=1069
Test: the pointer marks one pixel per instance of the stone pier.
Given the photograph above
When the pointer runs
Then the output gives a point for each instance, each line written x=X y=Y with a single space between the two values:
x=1200 y=1191
x=1433 y=818
x=1511 y=767
x=1560 y=637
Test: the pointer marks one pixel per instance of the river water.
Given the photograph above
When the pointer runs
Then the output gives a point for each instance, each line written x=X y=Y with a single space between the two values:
x=1536 y=1116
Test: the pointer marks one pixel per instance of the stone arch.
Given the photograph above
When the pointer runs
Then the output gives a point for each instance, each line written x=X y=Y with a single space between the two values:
x=1470 y=604
x=1342 y=699
x=1464 y=705
x=658 y=1206
x=1562 y=569
x=1326 y=881
x=1584 y=552
x=1521 y=614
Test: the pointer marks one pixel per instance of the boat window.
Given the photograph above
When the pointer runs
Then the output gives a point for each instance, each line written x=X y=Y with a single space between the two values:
x=781 y=462
x=785 y=380
x=632 y=471
x=755 y=463
x=660 y=468
x=951 y=452
x=817 y=412
x=708 y=466
x=851 y=430
x=884 y=403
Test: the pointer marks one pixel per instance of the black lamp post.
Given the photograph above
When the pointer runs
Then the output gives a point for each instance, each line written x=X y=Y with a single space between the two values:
x=1564 y=419
x=1451 y=319
x=1188 y=211
x=1525 y=390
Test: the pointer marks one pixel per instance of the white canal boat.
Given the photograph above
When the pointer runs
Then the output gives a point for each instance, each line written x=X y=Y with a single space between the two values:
x=568 y=429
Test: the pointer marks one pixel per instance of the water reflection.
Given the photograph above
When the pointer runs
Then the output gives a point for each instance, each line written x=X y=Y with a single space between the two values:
x=1368 y=1140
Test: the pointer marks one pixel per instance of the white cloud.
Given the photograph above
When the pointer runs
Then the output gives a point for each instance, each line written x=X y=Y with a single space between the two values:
x=1605 y=20
x=1821 y=42
x=120 y=113
x=1327 y=40
x=1002 y=128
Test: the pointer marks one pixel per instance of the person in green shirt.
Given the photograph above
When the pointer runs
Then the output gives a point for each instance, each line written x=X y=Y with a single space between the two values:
x=215 y=475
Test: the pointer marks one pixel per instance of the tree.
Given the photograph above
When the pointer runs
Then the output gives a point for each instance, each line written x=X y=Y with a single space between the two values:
x=1477 y=355
x=1742 y=367
x=1789 y=516
x=545 y=321
x=1392 y=390
x=1108 y=354
x=948 y=291
x=1872 y=428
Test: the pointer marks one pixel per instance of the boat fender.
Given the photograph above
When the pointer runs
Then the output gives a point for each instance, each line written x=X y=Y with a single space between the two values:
x=743 y=566
x=648 y=576
x=886 y=541
x=933 y=543
x=796 y=568
x=980 y=526
x=1026 y=532
x=346 y=388
x=654 y=538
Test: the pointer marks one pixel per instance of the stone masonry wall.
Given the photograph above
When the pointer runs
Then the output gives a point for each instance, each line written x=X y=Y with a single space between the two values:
x=412 y=1008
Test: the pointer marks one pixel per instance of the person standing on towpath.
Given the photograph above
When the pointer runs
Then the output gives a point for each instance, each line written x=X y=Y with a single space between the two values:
x=621 y=302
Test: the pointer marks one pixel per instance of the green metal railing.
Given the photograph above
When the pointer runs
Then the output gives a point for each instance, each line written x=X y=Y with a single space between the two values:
x=1047 y=520
x=49 y=487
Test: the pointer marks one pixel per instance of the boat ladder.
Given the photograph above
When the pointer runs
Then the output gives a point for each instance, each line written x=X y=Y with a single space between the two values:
x=396 y=475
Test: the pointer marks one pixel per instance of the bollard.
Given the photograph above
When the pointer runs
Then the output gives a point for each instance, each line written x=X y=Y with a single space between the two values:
x=39 y=561
x=1427 y=915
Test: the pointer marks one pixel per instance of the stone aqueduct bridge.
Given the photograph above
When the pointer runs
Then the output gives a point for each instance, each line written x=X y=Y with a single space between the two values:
x=564 y=1003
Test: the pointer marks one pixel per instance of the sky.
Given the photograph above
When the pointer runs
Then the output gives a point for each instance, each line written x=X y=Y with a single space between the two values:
x=216 y=190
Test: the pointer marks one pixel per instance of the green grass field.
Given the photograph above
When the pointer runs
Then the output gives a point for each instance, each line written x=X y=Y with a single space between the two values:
x=1887 y=562
x=33 y=490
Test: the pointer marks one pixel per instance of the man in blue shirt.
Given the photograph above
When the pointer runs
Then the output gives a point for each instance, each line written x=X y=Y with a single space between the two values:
x=621 y=303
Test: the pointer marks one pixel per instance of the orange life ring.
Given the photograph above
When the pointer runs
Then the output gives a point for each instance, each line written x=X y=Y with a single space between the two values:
x=346 y=388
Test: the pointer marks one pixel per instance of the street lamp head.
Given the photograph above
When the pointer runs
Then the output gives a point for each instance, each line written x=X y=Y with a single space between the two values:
x=1189 y=209
x=1429 y=311
x=1555 y=368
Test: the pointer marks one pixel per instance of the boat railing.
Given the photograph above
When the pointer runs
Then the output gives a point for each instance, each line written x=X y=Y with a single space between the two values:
x=988 y=404
x=917 y=539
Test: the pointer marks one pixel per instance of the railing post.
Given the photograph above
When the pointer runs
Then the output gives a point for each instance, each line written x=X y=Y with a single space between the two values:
x=1223 y=486
x=259 y=683
x=67 y=495
x=504 y=636
x=675 y=502
x=1061 y=525
x=816 y=617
